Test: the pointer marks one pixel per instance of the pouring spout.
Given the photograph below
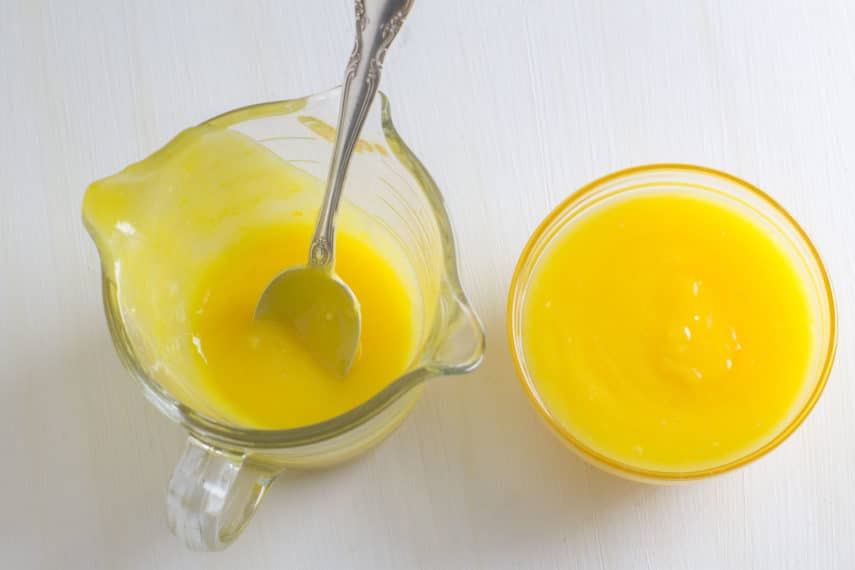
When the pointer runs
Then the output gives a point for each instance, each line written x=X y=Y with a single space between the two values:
x=462 y=348
x=107 y=212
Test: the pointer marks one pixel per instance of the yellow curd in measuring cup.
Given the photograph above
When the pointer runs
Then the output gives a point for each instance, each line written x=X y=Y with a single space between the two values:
x=196 y=232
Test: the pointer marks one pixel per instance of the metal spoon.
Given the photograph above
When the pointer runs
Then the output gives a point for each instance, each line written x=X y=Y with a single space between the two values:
x=312 y=299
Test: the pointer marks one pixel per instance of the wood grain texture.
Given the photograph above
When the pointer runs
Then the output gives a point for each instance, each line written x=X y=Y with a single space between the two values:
x=511 y=105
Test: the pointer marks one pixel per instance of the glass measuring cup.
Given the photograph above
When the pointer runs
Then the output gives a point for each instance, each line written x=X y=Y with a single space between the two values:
x=226 y=468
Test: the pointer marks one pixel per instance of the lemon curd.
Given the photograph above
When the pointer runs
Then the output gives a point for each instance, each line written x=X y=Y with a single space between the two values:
x=258 y=371
x=195 y=234
x=669 y=331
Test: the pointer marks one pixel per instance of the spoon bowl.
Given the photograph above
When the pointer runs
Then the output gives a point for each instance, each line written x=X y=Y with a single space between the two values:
x=321 y=310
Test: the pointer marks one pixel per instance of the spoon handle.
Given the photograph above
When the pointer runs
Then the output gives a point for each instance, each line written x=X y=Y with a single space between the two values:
x=377 y=23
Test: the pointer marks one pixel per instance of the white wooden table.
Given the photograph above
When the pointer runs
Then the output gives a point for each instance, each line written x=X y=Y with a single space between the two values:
x=511 y=105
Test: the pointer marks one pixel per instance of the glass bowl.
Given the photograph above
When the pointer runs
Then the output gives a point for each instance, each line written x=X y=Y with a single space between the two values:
x=684 y=178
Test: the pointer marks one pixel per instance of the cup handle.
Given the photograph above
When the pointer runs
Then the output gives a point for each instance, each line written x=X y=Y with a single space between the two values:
x=213 y=493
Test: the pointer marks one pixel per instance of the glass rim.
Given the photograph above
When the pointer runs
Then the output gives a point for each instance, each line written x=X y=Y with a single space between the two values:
x=600 y=459
x=451 y=291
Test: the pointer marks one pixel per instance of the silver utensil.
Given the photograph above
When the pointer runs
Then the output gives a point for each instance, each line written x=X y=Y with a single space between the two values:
x=311 y=298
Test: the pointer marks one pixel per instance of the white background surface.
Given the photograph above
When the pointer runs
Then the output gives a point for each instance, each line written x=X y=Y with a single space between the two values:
x=511 y=105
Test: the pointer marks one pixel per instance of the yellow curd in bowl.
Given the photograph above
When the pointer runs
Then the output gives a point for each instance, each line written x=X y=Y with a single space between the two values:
x=670 y=330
